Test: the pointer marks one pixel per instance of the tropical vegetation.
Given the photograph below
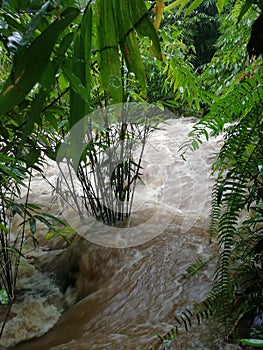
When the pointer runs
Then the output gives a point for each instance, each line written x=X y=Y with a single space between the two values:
x=62 y=60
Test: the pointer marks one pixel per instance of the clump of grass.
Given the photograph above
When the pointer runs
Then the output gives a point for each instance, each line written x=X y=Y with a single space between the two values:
x=108 y=169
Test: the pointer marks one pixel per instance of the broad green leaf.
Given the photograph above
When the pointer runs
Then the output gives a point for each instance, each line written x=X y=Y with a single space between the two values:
x=64 y=44
x=80 y=82
x=48 y=79
x=32 y=223
x=144 y=25
x=177 y=3
x=220 y=4
x=53 y=217
x=33 y=117
x=76 y=84
x=134 y=60
x=44 y=221
x=33 y=207
x=256 y=343
x=32 y=26
x=128 y=42
x=79 y=95
x=86 y=30
x=108 y=51
x=32 y=63
x=64 y=233
x=123 y=19
x=11 y=172
x=193 y=6
x=79 y=103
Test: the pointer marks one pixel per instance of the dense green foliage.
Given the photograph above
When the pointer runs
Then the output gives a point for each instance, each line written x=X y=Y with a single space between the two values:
x=61 y=60
x=51 y=55
x=236 y=216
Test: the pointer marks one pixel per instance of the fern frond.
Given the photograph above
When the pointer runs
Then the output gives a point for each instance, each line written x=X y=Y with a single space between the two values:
x=185 y=84
x=240 y=100
x=239 y=186
x=195 y=269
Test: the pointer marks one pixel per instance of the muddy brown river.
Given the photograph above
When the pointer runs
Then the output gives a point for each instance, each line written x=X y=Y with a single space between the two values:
x=95 y=297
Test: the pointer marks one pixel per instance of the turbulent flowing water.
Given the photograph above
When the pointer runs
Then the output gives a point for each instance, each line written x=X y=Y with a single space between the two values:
x=121 y=298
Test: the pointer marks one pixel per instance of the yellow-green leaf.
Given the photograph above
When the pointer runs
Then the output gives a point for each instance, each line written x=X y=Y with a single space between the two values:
x=193 y=6
x=144 y=25
x=178 y=3
x=220 y=4
x=134 y=60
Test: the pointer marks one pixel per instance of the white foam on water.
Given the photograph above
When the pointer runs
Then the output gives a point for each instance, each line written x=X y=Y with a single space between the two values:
x=136 y=291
